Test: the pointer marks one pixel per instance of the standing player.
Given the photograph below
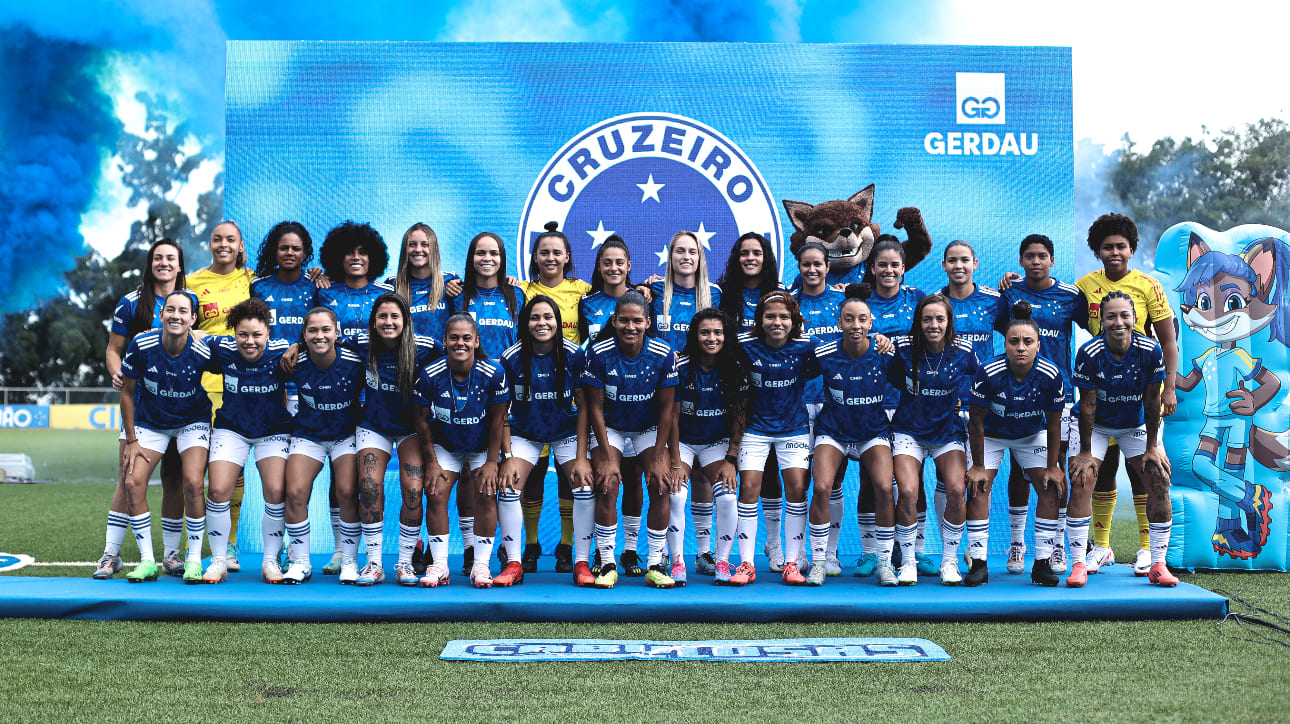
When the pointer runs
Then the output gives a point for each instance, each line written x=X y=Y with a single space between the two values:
x=421 y=282
x=1119 y=375
x=162 y=399
x=280 y=280
x=684 y=290
x=487 y=296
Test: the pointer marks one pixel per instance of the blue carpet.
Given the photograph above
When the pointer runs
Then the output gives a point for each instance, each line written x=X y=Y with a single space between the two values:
x=1114 y=594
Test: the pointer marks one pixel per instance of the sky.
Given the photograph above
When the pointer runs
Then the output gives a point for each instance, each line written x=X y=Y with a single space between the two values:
x=1148 y=69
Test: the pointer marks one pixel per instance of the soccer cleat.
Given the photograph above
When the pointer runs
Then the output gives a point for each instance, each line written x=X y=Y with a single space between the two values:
x=631 y=563
x=512 y=574
x=887 y=575
x=705 y=564
x=298 y=573
x=678 y=572
x=950 y=575
x=1142 y=562
x=656 y=577
x=1078 y=576
x=1057 y=561
x=1160 y=575
x=230 y=559
x=774 y=554
x=419 y=561
x=1042 y=573
x=791 y=575
x=582 y=575
x=818 y=572
x=193 y=572
x=216 y=572
x=468 y=561
x=480 y=576
x=608 y=576
x=349 y=571
x=866 y=565
x=372 y=574
x=529 y=560
x=563 y=558
x=404 y=575
x=1230 y=539
x=270 y=571
x=1258 y=508
x=977 y=575
x=172 y=564
x=896 y=556
x=108 y=566
x=926 y=565
x=333 y=565
x=745 y=574
x=283 y=561
x=502 y=556
x=908 y=575
x=832 y=566
x=145 y=571
x=436 y=575
x=721 y=573
x=1098 y=557
x=595 y=562
x=1016 y=558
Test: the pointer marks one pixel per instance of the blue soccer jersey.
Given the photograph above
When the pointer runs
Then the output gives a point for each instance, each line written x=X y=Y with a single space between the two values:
x=974 y=317
x=853 y=394
x=328 y=397
x=705 y=416
x=631 y=384
x=894 y=317
x=495 y=320
x=385 y=409
x=929 y=413
x=426 y=321
x=1121 y=383
x=123 y=315
x=540 y=410
x=778 y=379
x=353 y=307
x=673 y=323
x=1016 y=410
x=288 y=304
x=459 y=408
x=1054 y=310
x=1227 y=369
x=594 y=310
x=169 y=393
x=820 y=320
x=253 y=397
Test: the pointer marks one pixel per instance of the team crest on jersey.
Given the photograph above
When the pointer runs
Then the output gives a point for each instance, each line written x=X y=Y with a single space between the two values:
x=645 y=176
x=230 y=383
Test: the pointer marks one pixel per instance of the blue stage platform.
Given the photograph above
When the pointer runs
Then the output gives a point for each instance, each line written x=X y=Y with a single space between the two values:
x=547 y=596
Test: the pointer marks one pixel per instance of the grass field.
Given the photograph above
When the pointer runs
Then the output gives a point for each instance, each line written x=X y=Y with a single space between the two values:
x=126 y=671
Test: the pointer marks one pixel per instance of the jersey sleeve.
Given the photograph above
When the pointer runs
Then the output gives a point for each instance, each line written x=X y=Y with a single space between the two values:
x=214 y=361
x=1157 y=303
x=896 y=370
x=1153 y=365
x=499 y=390
x=130 y=364
x=1079 y=309
x=811 y=361
x=1055 y=395
x=1003 y=312
x=669 y=376
x=423 y=390
x=715 y=292
x=593 y=374
x=979 y=395
x=121 y=317
x=577 y=364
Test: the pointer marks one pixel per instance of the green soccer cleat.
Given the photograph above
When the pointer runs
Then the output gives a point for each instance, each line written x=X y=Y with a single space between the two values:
x=656 y=577
x=145 y=571
x=193 y=572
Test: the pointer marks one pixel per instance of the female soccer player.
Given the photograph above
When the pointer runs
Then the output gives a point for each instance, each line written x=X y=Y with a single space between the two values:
x=170 y=404
x=1055 y=306
x=929 y=369
x=138 y=312
x=780 y=360
x=851 y=425
x=1119 y=375
x=630 y=380
x=253 y=416
x=709 y=414
x=684 y=290
x=226 y=282
x=421 y=281
x=1016 y=405
x=547 y=409
x=461 y=424
x=281 y=282
x=892 y=307
x=487 y=296
x=394 y=356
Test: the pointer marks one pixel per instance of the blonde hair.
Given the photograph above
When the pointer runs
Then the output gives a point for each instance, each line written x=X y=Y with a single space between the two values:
x=402 y=282
x=702 y=290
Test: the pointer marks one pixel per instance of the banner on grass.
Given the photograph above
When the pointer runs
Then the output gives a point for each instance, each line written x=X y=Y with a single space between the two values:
x=827 y=649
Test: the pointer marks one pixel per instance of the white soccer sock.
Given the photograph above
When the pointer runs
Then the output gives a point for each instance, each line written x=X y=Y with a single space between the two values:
x=298 y=543
x=746 y=532
x=1159 y=534
x=1045 y=537
x=408 y=537
x=631 y=532
x=727 y=507
x=978 y=534
x=467 y=527
x=883 y=542
x=1060 y=539
x=819 y=543
x=951 y=536
x=920 y=538
x=117 y=525
x=773 y=510
x=172 y=533
x=1077 y=531
x=348 y=541
x=905 y=535
x=606 y=543
x=373 y=541
x=438 y=547
x=273 y=527
x=938 y=500
x=676 y=522
x=584 y=523
x=868 y=536
x=656 y=541
x=837 y=509
x=196 y=529
x=1017 y=523
x=141 y=525
x=795 y=531
x=218 y=525
x=483 y=549
x=336 y=535
x=510 y=519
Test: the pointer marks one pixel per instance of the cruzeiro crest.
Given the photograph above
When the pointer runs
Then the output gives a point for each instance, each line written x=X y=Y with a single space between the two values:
x=644 y=177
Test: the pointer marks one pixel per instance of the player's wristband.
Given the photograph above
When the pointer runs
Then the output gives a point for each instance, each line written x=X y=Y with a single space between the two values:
x=732 y=459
